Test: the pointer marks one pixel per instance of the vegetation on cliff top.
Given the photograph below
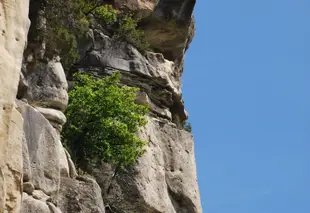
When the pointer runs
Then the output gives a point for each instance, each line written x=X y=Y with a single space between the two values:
x=102 y=119
x=68 y=21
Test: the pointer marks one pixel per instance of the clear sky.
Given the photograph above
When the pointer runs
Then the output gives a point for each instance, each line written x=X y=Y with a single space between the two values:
x=246 y=86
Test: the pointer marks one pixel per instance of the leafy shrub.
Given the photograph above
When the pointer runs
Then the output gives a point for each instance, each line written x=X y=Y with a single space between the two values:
x=102 y=120
x=63 y=43
x=128 y=31
x=188 y=126
x=66 y=23
x=106 y=14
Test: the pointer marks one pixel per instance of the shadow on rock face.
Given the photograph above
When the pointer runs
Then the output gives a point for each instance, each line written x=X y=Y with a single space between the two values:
x=45 y=85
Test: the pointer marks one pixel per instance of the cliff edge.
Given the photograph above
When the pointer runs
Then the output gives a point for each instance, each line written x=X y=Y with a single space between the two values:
x=37 y=174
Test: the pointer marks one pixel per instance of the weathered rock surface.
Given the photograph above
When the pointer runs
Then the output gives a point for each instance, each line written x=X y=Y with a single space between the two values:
x=82 y=195
x=48 y=172
x=164 y=180
x=168 y=25
x=144 y=8
x=47 y=85
x=14 y=26
x=32 y=158
x=155 y=75
x=33 y=205
x=47 y=158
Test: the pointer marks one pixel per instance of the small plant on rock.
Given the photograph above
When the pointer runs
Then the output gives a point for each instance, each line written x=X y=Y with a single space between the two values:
x=188 y=126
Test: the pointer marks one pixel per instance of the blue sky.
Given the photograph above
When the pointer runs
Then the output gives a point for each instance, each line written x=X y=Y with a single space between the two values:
x=246 y=86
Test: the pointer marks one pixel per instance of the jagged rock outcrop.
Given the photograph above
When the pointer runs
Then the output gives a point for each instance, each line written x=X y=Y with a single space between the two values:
x=44 y=153
x=163 y=181
x=157 y=77
x=82 y=195
x=37 y=174
x=14 y=26
x=169 y=25
x=49 y=174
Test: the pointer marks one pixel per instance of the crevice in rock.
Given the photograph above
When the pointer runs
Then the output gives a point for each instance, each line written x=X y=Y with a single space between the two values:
x=181 y=203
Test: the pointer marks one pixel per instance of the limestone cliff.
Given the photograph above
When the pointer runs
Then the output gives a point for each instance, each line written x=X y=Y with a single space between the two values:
x=36 y=171
x=14 y=25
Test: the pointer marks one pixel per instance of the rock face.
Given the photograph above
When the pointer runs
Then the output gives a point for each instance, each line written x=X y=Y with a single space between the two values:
x=37 y=174
x=14 y=25
x=169 y=25
x=82 y=195
x=46 y=157
x=156 y=76
x=47 y=85
x=163 y=181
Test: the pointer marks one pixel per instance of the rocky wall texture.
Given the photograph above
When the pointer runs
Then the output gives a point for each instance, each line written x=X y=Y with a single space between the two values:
x=157 y=77
x=37 y=174
x=14 y=25
x=163 y=181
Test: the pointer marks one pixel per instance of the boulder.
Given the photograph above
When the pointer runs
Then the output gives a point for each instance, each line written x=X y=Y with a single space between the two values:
x=47 y=85
x=53 y=115
x=33 y=205
x=47 y=158
x=82 y=195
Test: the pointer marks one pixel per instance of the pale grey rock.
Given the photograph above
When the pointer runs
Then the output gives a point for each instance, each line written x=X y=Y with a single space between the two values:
x=39 y=195
x=14 y=24
x=27 y=173
x=163 y=181
x=53 y=115
x=144 y=8
x=82 y=195
x=108 y=52
x=31 y=205
x=72 y=170
x=143 y=99
x=47 y=85
x=28 y=188
x=152 y=73
x=63 y=161
x=53 y=208
x=44 y=149
x=57 y=126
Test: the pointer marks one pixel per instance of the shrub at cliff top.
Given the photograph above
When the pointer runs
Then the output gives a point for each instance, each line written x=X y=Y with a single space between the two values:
x=67 y=22
x=102 y=119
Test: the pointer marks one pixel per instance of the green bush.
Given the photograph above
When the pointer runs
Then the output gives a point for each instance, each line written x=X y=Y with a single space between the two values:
x=63 y=43
x=66 y=23
x=188 y=126
x=128 y=31
x=102 y=119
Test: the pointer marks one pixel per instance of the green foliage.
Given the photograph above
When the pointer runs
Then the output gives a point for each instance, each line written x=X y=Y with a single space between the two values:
x=102 y=120
x=128 y=31
x=106 y=14
x=188 y=126
x=67 y=23
x=62 y=42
